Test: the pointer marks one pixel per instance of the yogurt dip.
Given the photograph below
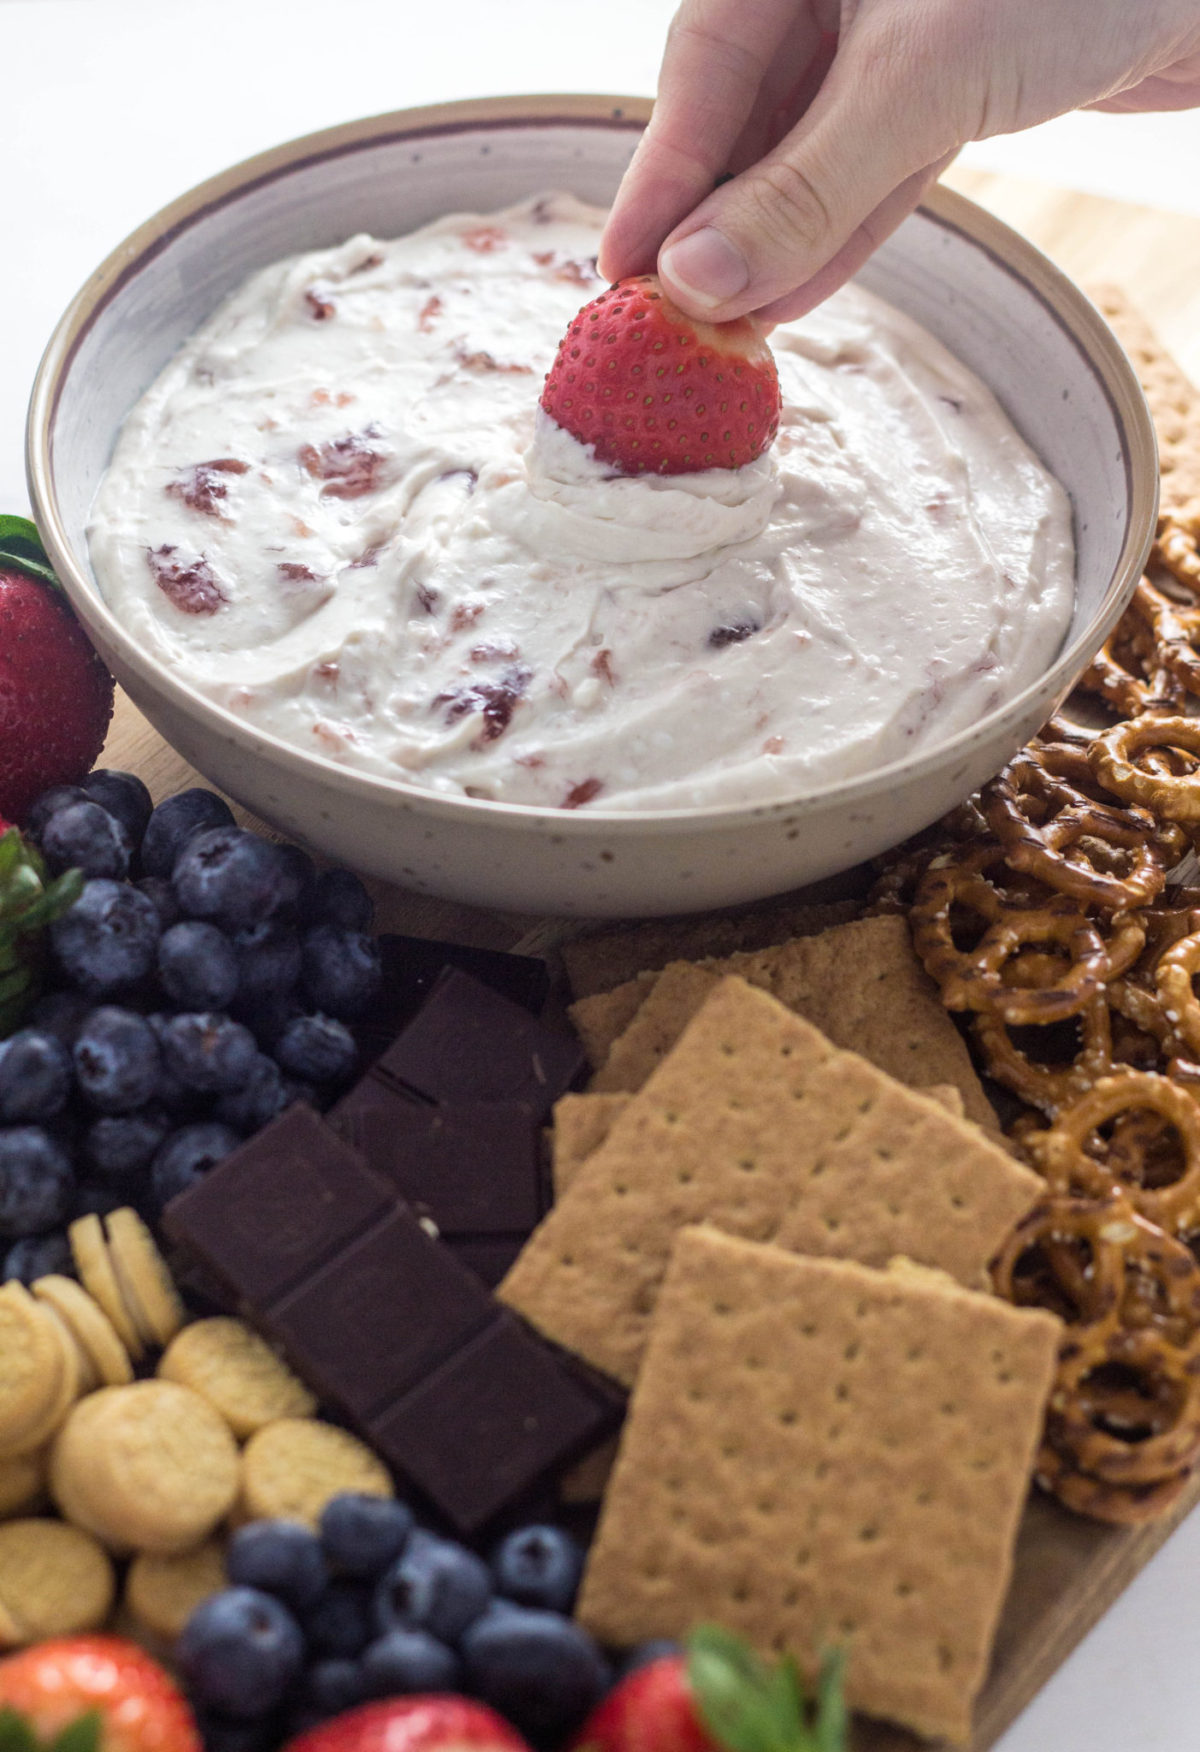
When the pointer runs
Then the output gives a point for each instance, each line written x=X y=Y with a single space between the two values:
x=340 y=513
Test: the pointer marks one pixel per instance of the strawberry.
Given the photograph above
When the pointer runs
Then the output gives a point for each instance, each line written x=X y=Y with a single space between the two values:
x=434 y=1723
x=28 y=903
x=56 y=696
x=719 y=1697
x=91 y=1694
x=655 y=392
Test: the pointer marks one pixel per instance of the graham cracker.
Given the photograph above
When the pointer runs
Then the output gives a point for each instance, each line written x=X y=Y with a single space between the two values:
x=756 y=1122
x=604 y=1017
x=1174 y=407
x=597 y=963
x=859 y=983
x=581 y=1124
x=821 y=1454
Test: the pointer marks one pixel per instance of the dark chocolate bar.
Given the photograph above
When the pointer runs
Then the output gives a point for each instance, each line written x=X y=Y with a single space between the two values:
x=412 y=966
x=469 y=1405
x=467 y=1043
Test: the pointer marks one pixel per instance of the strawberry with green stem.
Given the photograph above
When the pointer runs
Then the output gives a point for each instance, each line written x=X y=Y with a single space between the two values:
x=28 y=903
x=91 y=1694
x=719 y=1697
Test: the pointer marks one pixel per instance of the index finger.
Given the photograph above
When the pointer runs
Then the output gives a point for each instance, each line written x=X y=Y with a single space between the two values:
x=717 y=55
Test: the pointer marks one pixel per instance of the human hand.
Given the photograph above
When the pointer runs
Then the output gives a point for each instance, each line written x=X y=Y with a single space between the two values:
x=836 y=115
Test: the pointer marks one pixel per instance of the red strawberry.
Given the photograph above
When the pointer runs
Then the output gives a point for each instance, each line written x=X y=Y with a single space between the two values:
x=655 y=391
x=414 y=1724
x=56 y=696
x=719 y=1697
x=102 y=1683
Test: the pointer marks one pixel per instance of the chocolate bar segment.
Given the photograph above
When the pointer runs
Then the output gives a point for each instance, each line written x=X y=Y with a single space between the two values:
x=413 y=965
x=467 y=1043
x=388 y=1327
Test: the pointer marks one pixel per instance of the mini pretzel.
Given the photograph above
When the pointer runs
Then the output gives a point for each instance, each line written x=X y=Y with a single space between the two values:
x=1176 y=969
x=1061 y=1153
x=1114 y=758
x=1129 y=670
x=1178 y=552
x=1119 y=1505
x=1137 y=1429
x=1176 y=628
x=975 y=979
x=1050 y=1087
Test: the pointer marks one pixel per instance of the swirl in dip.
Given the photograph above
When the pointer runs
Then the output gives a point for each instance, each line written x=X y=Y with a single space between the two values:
x=340 y=513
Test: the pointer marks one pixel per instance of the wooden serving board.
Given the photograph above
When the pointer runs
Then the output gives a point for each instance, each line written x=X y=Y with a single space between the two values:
x=1068 y=1570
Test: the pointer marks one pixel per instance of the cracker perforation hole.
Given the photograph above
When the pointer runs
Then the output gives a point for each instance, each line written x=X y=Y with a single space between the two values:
x=787 y=1417
x=747 y=1164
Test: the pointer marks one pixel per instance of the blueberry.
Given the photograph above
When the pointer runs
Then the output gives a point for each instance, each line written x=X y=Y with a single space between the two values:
x=174 y=822
x=61 y=1014
x=208 y=1051
x=363 y=1534
x=659 y=1648
x=116 y=1059
x=433 y=1585
x=332 y=1685
x=197 y=966
x=233 y=877
x=540 y=1670
x=342 y=970
x=221 y=1733
x=83 y=836
x=239 y=1653
x=340 y=899
x=538 y=1566
x=107 y=941
x=119 y=1147
x=317 y=1048
x=406 y=1661
x=282 y=1558
x=258 y=1100
x=35 y=1076
x=340 y=1622
x=45 y=805
x=268 y=958
x=36 y=1182
x=161 y=895
x=37 y=1256
x=124 y=796
x=305 y=873
x=186 y=1158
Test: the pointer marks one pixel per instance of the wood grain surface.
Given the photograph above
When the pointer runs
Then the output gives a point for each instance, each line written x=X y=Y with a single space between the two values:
x=1067 y=1570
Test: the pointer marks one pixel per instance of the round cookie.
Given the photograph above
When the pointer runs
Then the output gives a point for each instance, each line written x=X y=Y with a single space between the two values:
x=71 y=1378
x=95 y=1268
x=146 y=1284
x=94 y=1332
x=30 y=1367
x=237 y=1372
x=54 y=1580
x=292 y=1467
x=22 y=1484
x=163 y=1592
x=148 y=1467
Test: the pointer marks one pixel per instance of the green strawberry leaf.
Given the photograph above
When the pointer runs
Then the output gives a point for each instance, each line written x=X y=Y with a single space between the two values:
x=748 y=1706
x=21 y=547
x=16 y=1735
x=81 y=1735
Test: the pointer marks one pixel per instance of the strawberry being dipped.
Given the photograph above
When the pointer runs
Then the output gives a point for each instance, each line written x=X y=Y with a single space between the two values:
x=656 y=392
x=91 y=1694
x=718 y=1697
x=414 y=1724
x=56 y=696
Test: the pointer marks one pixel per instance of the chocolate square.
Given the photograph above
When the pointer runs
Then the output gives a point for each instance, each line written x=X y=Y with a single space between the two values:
x=493 y=1421
x=274 y=1211
x=468 y=1043
x=474 y=1168
x=413 y=965
x=378 y=1319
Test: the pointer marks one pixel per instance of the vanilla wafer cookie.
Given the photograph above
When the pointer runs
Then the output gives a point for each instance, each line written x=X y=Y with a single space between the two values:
x=163 y=1592
x=93 y=1330
x=292 y=1467
x=55 y=1580
x=226 y=1362
x=22 y=1483
x=30 y=1367
x=98 y=1275
x=146 y=1285
x=56 y=1359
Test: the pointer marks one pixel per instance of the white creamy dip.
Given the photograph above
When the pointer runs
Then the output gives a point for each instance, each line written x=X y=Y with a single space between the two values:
x=340 y=513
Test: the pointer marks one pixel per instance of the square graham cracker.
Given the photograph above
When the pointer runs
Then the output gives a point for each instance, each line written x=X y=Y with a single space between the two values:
x=822 y=1454
x=581 y=1124
x=859 y=983
x=1173 y=402
x=757 y=1123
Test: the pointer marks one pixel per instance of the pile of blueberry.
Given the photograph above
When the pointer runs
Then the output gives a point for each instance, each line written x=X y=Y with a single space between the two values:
x=203 y=980
x=374 y=1606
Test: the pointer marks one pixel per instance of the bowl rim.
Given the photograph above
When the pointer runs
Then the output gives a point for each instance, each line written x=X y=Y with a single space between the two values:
x=1080 y=321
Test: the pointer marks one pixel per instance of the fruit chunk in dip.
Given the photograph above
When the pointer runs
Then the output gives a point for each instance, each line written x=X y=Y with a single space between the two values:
x=340 y=513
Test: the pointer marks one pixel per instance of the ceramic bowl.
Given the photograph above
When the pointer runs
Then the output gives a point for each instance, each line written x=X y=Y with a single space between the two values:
x=992 y=298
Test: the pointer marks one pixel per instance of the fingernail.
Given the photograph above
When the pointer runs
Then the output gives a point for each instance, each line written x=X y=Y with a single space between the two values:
x=706 y=266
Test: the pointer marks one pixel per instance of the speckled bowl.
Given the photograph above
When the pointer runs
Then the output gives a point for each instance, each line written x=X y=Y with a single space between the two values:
x=992 y=298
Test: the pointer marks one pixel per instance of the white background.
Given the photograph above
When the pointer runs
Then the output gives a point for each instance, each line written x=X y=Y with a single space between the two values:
x=110 y=108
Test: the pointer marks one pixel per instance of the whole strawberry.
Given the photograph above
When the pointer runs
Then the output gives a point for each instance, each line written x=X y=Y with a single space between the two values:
x=56 y=696
x=105 y=1690
x=29 y=902
x=434 y=1723
x=718 y=1697
x=656 y=392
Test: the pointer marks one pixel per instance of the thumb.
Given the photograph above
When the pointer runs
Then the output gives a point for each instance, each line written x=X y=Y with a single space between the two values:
x=872 y=127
